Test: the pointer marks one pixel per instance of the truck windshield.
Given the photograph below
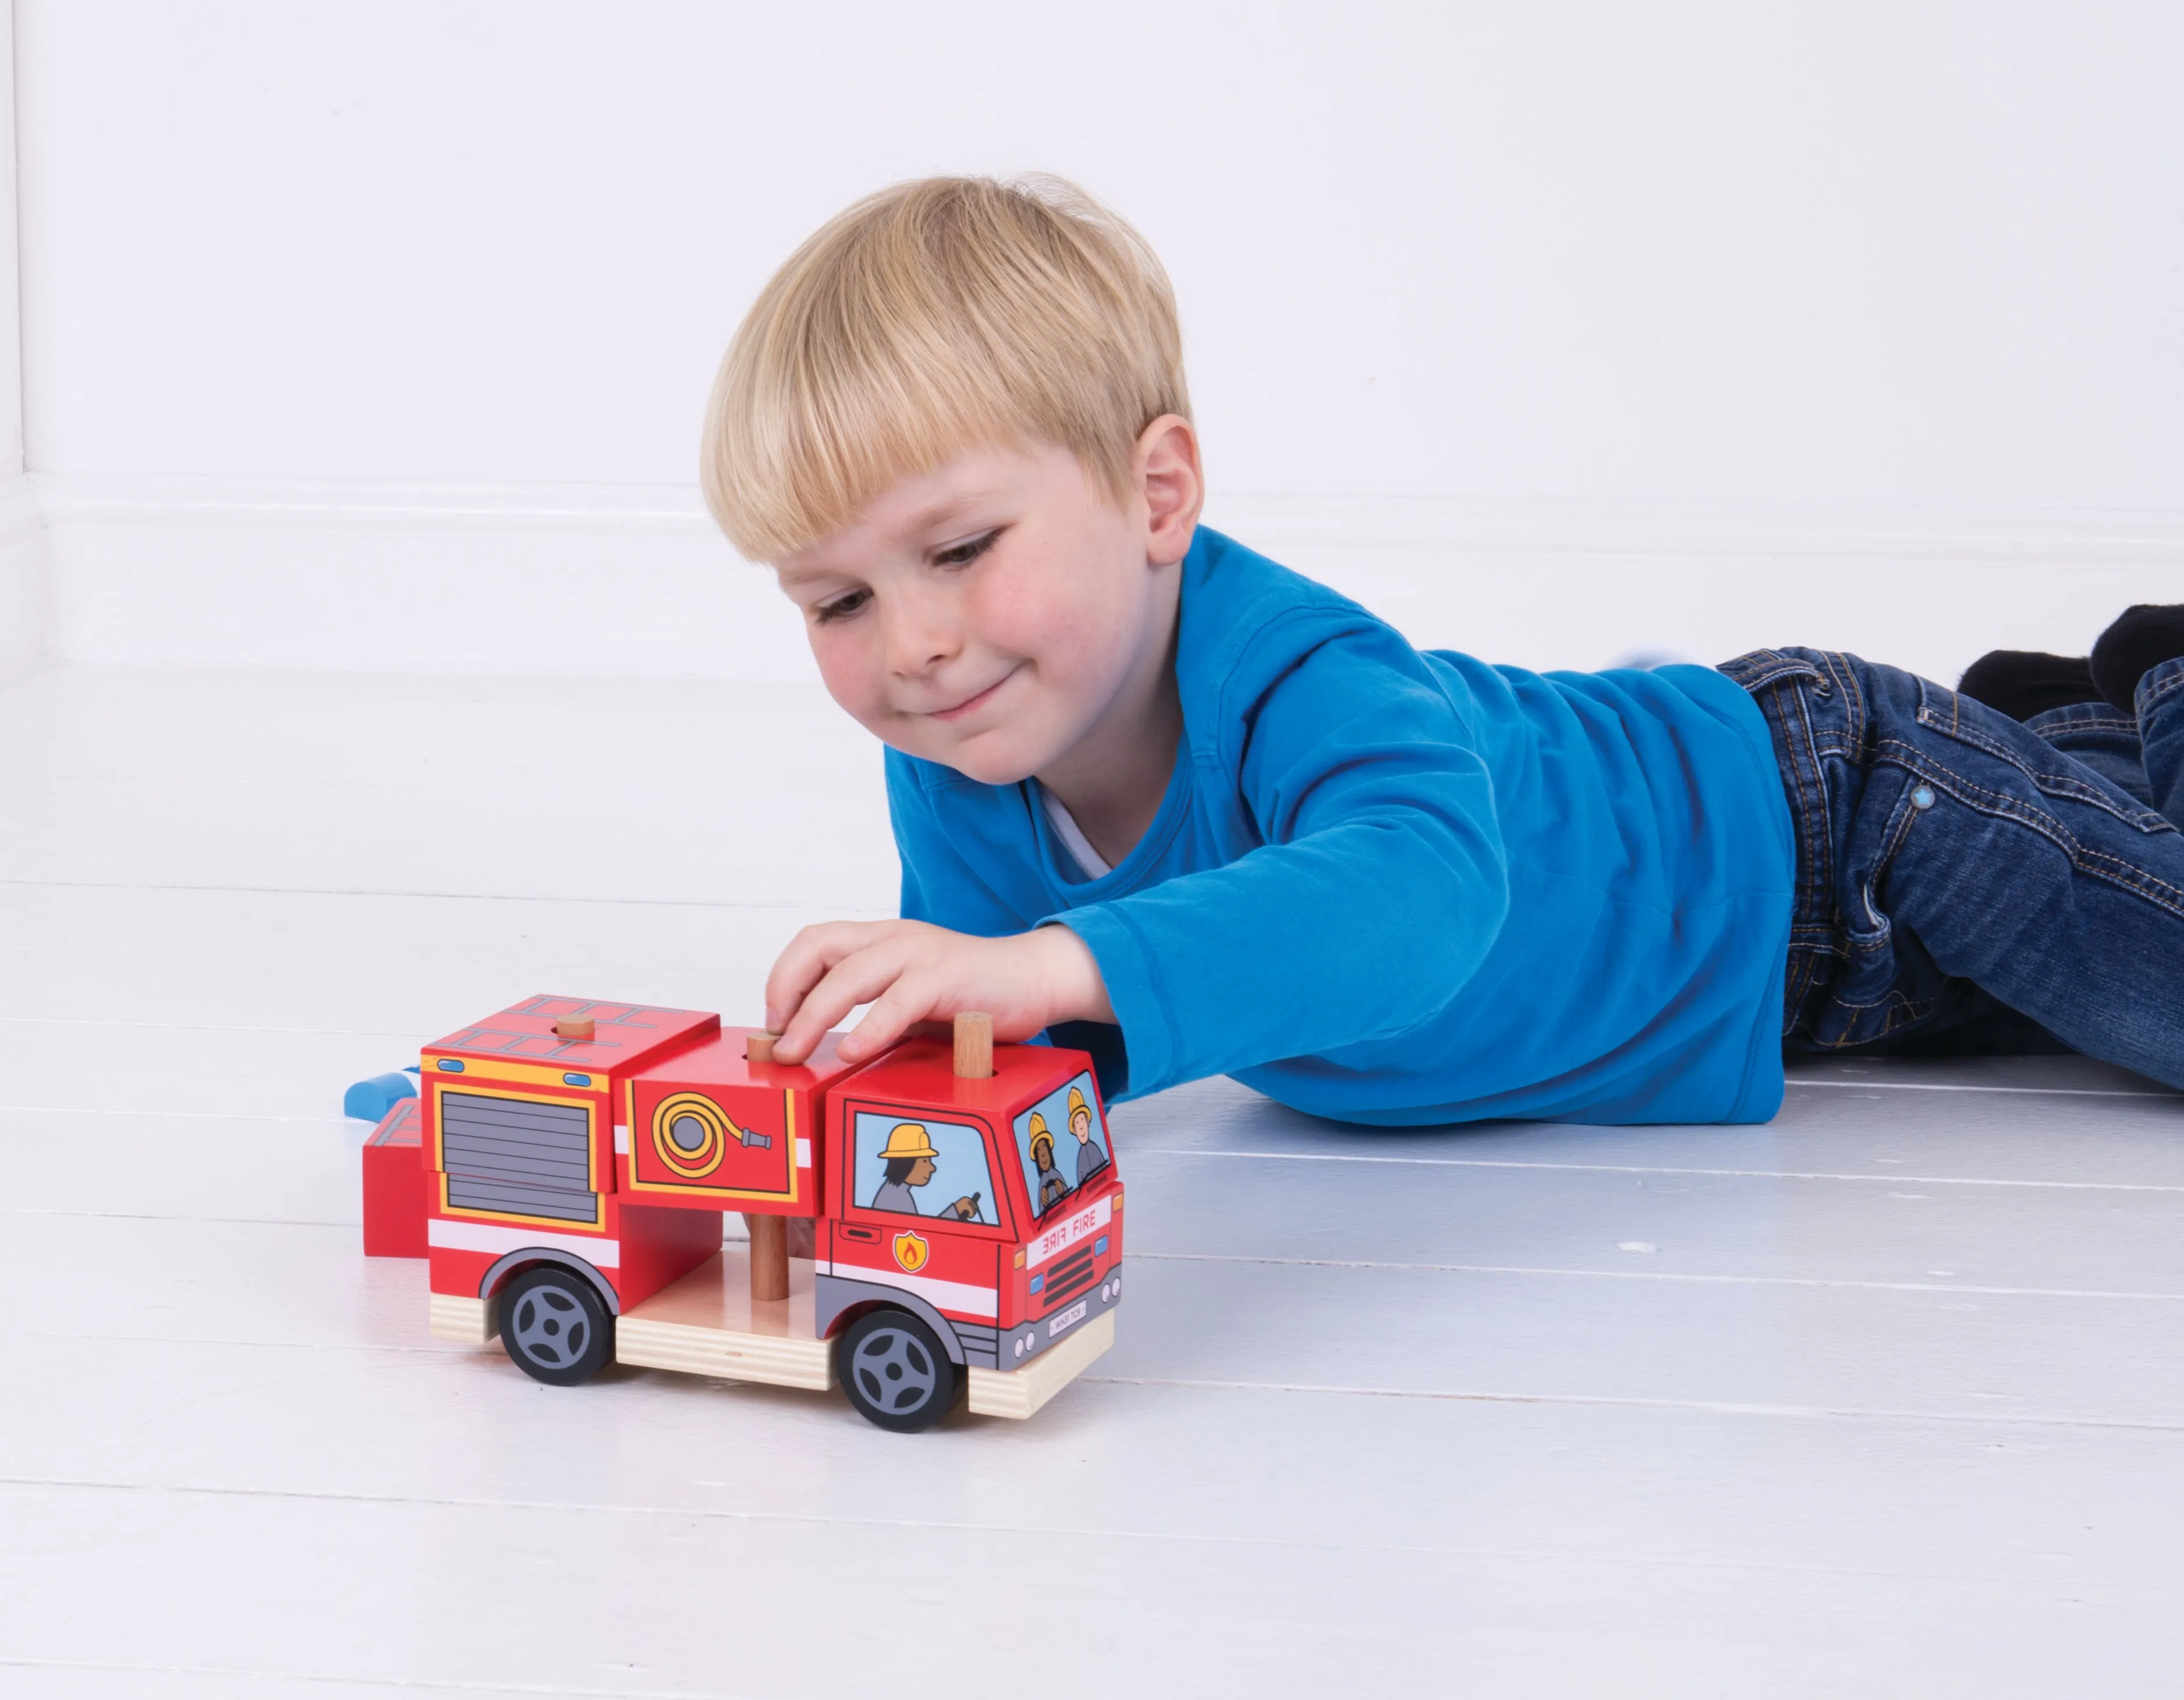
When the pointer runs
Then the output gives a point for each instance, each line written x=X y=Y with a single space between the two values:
x=1061 y=1141
x=922 y=1168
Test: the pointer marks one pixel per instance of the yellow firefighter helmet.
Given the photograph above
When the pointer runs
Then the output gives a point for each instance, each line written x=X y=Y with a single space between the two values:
x=1077 y=1106
x=908 y=1139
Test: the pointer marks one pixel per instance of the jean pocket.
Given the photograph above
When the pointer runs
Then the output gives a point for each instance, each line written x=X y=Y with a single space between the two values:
x=2051 y=772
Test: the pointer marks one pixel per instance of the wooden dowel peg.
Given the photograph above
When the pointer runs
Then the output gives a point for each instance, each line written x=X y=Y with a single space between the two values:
x=758 y=1047
x=974 y=1046
x=575 y=1027
x=769 y=1256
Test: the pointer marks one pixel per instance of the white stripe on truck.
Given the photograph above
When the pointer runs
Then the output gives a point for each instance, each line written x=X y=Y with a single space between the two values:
x=488 y=1236
x=944 y=1296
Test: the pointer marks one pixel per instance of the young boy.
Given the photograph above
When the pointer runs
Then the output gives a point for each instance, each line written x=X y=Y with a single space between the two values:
x=1164 y=800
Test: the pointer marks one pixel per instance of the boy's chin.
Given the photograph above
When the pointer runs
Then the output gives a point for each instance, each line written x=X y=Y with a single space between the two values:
x=990 y=770
x=979 y=759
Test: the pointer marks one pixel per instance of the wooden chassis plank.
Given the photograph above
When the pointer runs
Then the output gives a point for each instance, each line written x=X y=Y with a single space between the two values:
x=1017 y=1393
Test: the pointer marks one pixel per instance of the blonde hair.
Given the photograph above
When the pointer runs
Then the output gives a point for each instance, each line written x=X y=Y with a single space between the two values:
x=936 y=316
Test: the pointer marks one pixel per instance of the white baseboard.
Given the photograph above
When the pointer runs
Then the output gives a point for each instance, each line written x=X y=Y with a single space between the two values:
x=634 y=580
x=1584 y=584
x=536 y=579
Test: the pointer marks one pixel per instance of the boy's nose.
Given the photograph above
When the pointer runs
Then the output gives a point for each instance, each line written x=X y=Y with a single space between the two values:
x=917 y=643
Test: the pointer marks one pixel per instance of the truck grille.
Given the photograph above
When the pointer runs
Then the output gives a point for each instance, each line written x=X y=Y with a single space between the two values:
x=516 y=1140
x=1068 y=1278
x=540 y=1203
x=515 y=1156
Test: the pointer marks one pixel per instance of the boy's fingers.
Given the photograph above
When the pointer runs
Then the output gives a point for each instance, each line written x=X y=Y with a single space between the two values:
x=887 y=1019
x=809 y=955
x=859 y=977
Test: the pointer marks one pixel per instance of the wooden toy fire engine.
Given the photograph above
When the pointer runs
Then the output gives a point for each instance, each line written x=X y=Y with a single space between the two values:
x=956 y=1210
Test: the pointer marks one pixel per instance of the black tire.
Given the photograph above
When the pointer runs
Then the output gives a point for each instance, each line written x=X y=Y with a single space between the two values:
x=895 y=1371
x=554 y=1327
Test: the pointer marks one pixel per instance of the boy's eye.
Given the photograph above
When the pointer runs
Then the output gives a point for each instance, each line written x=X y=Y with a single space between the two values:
x=963 y=554
x=841 y=607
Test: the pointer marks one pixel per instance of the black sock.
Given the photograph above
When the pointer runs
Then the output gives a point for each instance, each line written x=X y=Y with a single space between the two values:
x=2023 y=682
x=2143 y=638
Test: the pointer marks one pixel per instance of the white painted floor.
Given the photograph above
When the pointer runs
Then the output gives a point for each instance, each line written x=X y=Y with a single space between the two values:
x=1886 y=1398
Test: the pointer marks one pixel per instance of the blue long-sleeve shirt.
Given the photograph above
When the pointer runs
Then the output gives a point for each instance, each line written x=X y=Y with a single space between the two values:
x=1394 y=886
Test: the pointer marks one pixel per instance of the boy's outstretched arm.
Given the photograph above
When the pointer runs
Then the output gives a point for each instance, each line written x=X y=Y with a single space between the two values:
x=911 y=971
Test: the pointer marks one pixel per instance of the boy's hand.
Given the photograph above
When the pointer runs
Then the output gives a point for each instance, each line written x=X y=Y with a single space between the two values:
x=909 y=972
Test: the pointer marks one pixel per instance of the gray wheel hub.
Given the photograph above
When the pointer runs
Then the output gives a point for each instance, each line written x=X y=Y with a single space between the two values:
x=551 y=1327
x=895 y=1371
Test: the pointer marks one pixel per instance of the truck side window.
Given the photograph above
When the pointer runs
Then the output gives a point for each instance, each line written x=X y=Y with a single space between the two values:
x=1062 y=1142
x=922 y=1168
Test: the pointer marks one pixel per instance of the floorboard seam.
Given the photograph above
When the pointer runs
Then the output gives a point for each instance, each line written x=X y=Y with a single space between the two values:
x=426 y=1684
x=184 y=1115
x=1042 y=1533
x=1647 y=1275
x=1704 y=1407
x=852 y=913
x=209 y=1026
x=1136 y=1151
x=1964 y=1086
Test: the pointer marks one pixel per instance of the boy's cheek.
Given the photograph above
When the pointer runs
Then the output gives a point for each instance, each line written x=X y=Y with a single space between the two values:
x=852 y=674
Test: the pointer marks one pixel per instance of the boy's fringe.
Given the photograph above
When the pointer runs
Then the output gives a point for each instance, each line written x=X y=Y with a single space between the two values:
x=933 y=317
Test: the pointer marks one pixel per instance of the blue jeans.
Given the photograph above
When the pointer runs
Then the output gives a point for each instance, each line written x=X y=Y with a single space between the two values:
x=1966 y=884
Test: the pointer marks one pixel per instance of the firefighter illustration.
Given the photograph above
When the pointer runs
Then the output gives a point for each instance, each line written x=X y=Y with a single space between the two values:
x=1050 y=1185
x=1090 y=1159
x=910 y=1161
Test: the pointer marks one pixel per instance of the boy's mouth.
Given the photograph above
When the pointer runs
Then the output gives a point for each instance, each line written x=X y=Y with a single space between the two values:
x=970 y=703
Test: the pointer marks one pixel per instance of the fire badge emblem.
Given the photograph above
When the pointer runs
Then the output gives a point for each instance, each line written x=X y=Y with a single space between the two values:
x=910 y=1251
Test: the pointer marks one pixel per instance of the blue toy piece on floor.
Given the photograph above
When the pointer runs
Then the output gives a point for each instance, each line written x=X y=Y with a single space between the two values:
x=369 y=1100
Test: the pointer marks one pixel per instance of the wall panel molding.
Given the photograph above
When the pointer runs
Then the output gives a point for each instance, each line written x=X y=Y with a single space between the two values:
x=633 y=581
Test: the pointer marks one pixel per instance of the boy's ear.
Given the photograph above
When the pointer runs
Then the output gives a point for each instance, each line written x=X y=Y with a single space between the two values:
x=1166 y=465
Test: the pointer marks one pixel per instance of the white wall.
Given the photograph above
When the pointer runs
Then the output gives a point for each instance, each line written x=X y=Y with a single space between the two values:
x=23 y=599
x=1688 y=324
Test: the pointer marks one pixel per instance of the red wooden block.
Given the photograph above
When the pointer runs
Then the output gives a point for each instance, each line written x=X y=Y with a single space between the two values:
x=624 y=1035
x=396 y=1194
x=518 y=1067
x=711 y=1127
x=975 y=1157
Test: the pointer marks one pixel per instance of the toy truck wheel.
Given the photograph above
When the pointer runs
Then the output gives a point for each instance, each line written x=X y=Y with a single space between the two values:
x=554 y=1327
x=894 y=1371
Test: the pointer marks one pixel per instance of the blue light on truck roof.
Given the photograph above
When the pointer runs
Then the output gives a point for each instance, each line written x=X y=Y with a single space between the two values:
x=575 y=1079
x=453 y=1065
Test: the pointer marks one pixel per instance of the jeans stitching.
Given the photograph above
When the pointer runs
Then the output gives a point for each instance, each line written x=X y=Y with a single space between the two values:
x=1770 y=678
x=1816 y=843
x=2166 y=689
x=2000 y=806
x=1901 y=1010
x=1761 y=668
x=1916 y=1009
x=1811 y=732
x=1910 y=1015
x=1899 y=833
x=1776 y=682
x=2090 y=723
x=2049 y=784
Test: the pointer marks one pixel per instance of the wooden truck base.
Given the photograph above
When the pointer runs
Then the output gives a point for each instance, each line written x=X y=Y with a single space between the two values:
x=707 y=1324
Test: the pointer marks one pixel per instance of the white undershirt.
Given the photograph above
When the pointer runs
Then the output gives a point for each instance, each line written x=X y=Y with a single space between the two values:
x=1089 y=861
